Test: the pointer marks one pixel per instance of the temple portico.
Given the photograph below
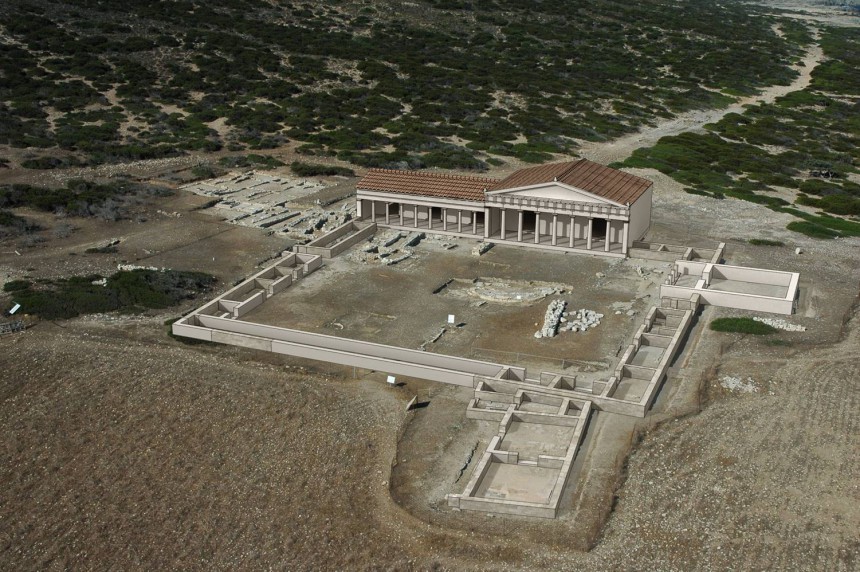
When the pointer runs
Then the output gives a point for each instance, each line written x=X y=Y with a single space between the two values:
x=532 y=207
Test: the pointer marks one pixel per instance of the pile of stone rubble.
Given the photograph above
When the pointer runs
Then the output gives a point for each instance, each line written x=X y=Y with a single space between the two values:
x=738 y=384
x=482 y=248
x=389 y=248
x=558 y=320
x=780 y=324
x=582 y=320
x=552 y=319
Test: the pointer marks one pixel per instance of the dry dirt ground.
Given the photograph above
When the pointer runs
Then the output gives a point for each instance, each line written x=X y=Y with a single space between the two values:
x=125 y=449
x=396 y=304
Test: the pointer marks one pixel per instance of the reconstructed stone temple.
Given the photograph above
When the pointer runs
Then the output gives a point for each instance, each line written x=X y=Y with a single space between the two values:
x=542 y=417
x=575 y=206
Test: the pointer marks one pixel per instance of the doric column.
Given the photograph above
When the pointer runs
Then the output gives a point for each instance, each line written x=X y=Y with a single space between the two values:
x=387 y=213
x=503 y=224
x=359 y=209
x=459 y=221
x=519 y=225
x=401 y=213
x=588 y=236
x=444 y=219
x=554 y=229
x=415 y=212
x=572 y=229
x=608 y=233
x=475 y=222
x=537 y=227
x=624 y=236
x=372 y=211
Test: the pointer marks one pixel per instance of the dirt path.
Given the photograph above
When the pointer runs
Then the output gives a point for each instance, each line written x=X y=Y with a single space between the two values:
x=621 y=148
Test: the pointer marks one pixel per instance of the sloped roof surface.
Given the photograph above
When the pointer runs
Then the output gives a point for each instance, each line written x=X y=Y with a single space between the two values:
x=426 y=184
x=597 y=179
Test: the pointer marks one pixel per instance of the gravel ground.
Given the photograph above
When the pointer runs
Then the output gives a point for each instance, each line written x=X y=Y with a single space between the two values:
x=127 y=450
x=124 y=449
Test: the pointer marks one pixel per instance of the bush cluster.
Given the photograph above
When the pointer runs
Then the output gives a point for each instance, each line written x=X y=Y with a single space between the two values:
x=765 y=242
x=125 y=291
x=316 y=170
x=742 y=326
x=78 y=198
x=12 y=224
x=807 y=140
x=251 y=160
x=524 y=77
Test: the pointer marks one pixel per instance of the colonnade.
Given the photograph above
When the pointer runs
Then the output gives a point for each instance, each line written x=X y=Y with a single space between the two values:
x=458 y=220
x=573 y=229
x=562 y=230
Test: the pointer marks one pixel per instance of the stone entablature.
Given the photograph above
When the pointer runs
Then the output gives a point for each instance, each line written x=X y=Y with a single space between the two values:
x=558 y=206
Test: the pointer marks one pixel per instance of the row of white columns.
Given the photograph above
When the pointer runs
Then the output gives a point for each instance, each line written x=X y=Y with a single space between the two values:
x=554 y=230
x=474 y=224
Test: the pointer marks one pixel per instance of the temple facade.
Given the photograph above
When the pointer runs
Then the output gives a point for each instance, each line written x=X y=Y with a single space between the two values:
x=575 y=206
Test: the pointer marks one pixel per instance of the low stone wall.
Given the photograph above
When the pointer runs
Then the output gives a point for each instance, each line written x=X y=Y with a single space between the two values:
x=217 y=321
x=673 y=252
x=333 y=242
x=344 y=351
x=469 y=499
x=674 y=295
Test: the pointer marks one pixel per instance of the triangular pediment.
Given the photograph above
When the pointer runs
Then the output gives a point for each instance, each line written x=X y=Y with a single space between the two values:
x=554 y=191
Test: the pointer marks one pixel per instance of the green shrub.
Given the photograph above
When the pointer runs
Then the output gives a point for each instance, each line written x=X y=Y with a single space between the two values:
x=12 y=224
x=125 y=291
x=765 y=242
x=79 y=197
x=51 y=163
x=250 y=160
x=509 y=68
x=203 y=172
x=16 y=285
x=835 y=204
x=818 y=187
x=102 y=250
x=317 y=170
x=742 y=326
x=811 y=229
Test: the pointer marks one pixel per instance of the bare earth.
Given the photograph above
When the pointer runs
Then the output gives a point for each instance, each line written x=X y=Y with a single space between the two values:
x=125 y=449
x=122 y=451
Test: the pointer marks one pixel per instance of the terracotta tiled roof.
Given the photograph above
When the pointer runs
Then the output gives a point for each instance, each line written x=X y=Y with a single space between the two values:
x=597 y=179
x=426 y=184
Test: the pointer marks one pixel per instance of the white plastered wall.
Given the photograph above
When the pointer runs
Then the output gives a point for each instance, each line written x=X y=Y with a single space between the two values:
x=640 y=217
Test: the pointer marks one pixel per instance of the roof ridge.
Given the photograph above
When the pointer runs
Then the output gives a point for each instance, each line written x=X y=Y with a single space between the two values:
x=455 y=176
